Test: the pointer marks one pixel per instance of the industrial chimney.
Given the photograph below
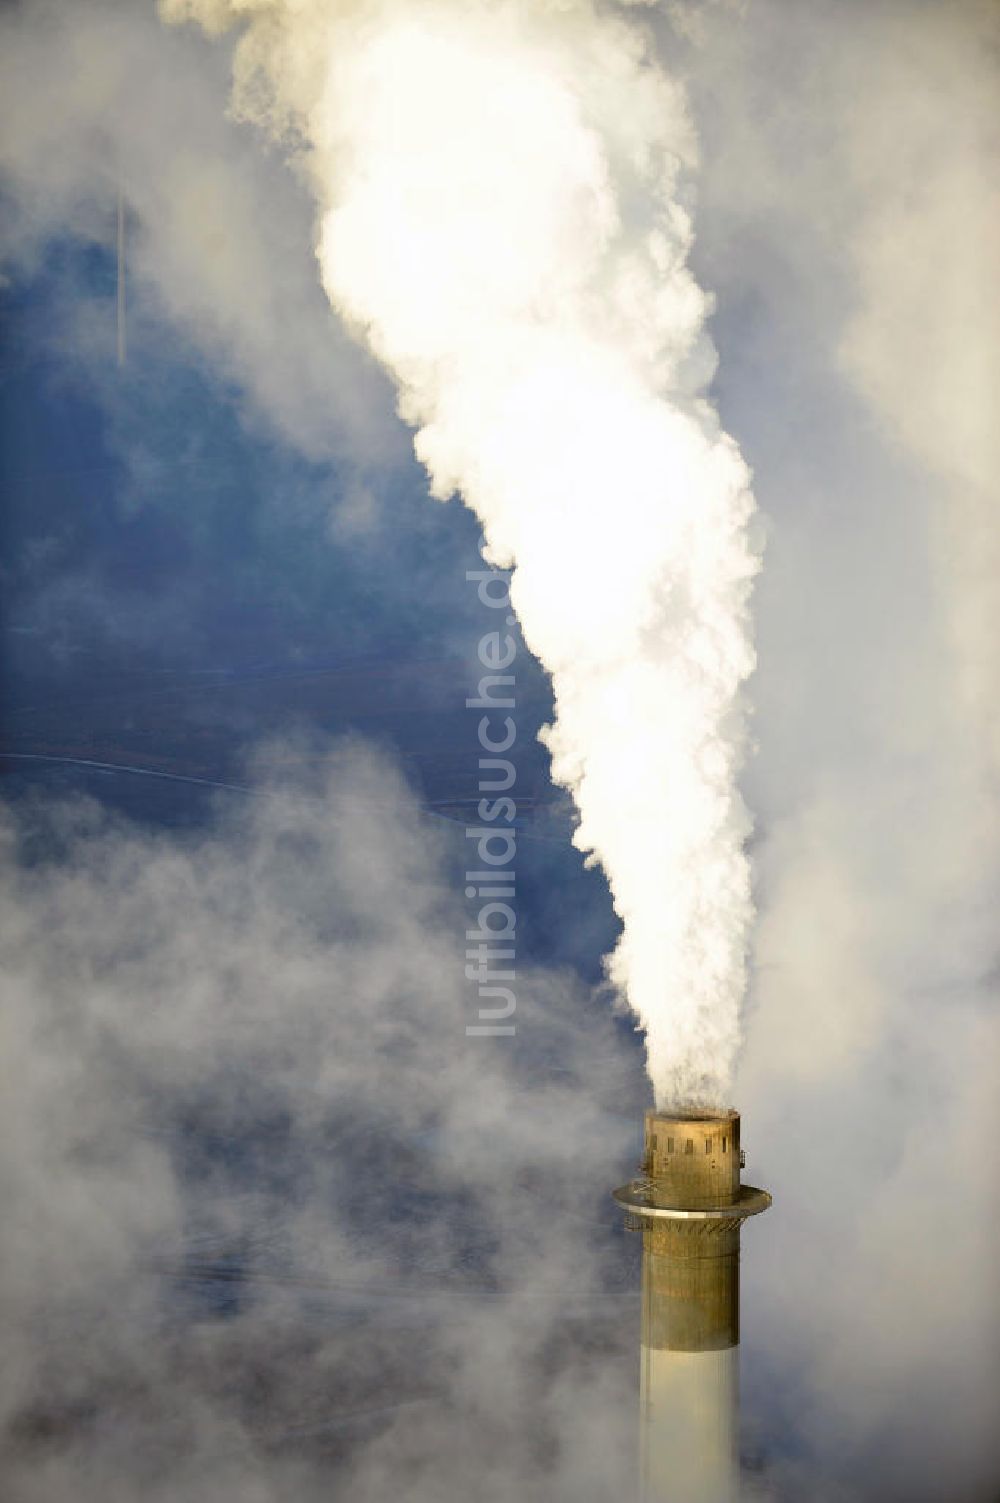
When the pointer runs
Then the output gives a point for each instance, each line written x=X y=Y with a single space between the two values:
x=689 y=1205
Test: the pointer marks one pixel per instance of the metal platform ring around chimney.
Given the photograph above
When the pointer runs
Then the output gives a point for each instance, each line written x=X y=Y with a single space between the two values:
x=638 y=1197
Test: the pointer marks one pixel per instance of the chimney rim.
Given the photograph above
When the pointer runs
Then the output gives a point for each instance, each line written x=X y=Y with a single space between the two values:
x=692 y=1114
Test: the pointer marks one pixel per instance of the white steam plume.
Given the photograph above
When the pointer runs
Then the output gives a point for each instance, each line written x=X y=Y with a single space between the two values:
x=501 y=215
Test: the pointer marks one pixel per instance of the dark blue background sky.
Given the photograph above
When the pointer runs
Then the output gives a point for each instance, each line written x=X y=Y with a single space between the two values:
x=178 y=592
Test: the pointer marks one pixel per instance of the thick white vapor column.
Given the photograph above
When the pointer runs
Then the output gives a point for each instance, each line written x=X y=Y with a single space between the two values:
x=502 y=217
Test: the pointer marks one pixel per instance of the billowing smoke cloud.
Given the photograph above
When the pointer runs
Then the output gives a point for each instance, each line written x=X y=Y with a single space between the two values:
x=502 y=215
x=277 y=1228
x=924 y=342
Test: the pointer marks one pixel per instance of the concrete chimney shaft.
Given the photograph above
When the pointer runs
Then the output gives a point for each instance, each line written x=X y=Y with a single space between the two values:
x=693 y=1160
x=689 y=1205
x=691 y=1265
